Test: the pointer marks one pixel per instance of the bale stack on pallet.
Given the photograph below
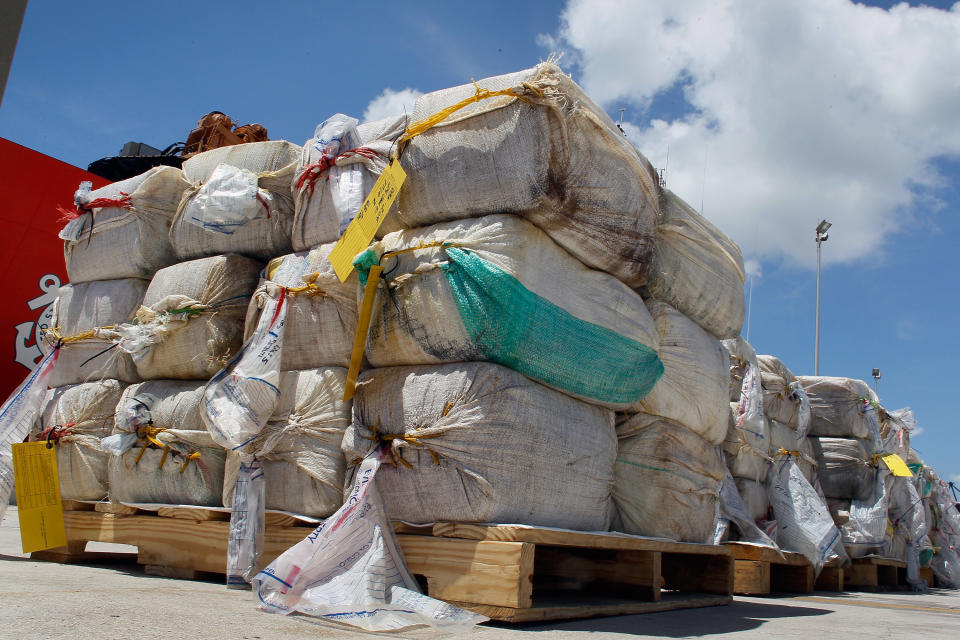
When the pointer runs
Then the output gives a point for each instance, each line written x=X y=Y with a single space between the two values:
x=939 y=548
x=114 y=242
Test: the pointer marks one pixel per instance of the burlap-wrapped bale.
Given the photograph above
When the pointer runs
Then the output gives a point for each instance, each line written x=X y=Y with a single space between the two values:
x=741 y=355
x=477 y=442
x=499 y=289
x=694 y=388
x=841 y=407
x=122 y=228
x=667 y=479
x=785 y=441
x=85 y=317
x=754 y=497
x=895 y=428
x=76 y=417
x=747 y=449
x=697 y=270
x=262 y=231
x=780 y=402
x=175 y=461
x=548 y=153
x=299 y=446
x=191 y=321
x=321 y=311
x=845 y=467
x=334 y=173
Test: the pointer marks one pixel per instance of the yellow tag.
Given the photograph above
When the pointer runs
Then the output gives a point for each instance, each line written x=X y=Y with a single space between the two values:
x=361 y=230
x=38 y=496
x=896 y=465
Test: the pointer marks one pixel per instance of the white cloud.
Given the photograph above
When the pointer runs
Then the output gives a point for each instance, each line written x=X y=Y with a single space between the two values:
x=753 y=268
x=797 y=110
x=391 y=103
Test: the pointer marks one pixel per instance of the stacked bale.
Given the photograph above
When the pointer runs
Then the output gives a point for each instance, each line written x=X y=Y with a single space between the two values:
x=113 y=244
x=845 y=432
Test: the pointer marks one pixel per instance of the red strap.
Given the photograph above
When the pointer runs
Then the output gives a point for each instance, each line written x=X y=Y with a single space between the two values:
x=55 y=432
x=123 y=202
x=312 y=172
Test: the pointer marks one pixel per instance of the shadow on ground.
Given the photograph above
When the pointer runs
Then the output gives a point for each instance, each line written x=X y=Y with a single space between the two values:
x=737 y=616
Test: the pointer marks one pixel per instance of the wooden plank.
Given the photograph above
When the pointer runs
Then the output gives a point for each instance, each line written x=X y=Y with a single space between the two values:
x=926 y=574
x=706 y=573
x=115 y=508
x=170 y=572
x=196 y=515
x=76 y=505
x=751 y=577
x=564 y=538
x=492 y=572
x=766 y=554
x=830 y=579
x=572 y=607
x=597 y=572
x=861 y=575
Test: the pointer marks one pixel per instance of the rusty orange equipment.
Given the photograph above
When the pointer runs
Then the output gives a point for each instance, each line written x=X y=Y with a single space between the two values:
x=217 y=129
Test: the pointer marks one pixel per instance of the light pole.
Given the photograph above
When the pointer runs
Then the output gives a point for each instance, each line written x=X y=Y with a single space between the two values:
x=821 y=238
x=876 y=383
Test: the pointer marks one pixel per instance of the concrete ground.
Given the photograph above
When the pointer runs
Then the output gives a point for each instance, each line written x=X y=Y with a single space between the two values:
x=46 y=600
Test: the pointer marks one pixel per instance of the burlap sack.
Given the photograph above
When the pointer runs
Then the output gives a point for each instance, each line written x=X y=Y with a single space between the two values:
x=186 y=467
x=697 y=270
x=755 y=498
x=265 y=236
x=550 y=155
x=477 y=442
x=845 y=467
x=321 y=311
x=191 y=321
x=695 y=385
x=300 y=445
x=85 y=316
x=778 y=402
x=741 y=354
x=128 y=241
x=784 y=441
x=500 y=289
x=75 y=418
x=667 y=480
x=746 y=449
x=841 y=407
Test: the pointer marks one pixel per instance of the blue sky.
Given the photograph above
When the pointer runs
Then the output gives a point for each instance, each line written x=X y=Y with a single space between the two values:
x=772 y=119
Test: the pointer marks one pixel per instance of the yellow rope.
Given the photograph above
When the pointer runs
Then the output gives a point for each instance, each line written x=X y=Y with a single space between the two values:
x=411 y=440
x=422 y=245
x=429 y=122
x=77 y=337
x=193 y=456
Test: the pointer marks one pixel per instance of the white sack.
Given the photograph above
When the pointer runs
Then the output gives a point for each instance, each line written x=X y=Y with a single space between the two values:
x=694 y=388
x=80 y=416
x=99 y=307
x=416 y=318
x=254 y=221
x=741 y=354
x=783 y=397
x=754 y=497
x=125 y=242
x=841 y=408
x=321 y=311
x=337 y=169
x=783 y=438
x=746 y=449
x=191 y=321
x=172 y=473
x=553 y=157
x=846 y=468
x=299 y=446
x=697 y=269
x=484 y=444
x=667 y=480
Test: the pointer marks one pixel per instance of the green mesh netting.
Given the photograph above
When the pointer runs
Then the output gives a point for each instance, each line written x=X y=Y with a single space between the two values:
x=926 y=557
x=519 y=329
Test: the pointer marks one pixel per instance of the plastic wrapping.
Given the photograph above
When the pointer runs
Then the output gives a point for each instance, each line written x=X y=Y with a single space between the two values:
x=754 y=498
x=804 y=523
x=741 y=354
x=247 y=515
x=733 y=509
x=781 y=401
x=240 y=399
x=17 y=416
x=842 y=408
x=787 y=441
x=866 y=529
x=350 y=570
x=228 y=200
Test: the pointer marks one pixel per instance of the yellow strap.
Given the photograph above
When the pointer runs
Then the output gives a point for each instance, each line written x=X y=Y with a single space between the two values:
x=163 y=458
x=420 y=126
x=363 y=328
x=787 y=452
x=309 y=289
x=193 y=456
x=77 y=337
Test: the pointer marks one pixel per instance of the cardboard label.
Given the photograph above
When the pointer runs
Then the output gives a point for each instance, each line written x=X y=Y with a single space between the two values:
x=361 y=230
x=38 y=496
x=897 y=466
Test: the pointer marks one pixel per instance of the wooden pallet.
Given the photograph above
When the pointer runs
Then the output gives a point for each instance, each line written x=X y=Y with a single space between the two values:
x=874 y=573
x=762 y=570
x=508 y=573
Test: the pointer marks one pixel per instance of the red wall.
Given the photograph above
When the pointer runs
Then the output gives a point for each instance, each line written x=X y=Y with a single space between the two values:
x=32 y=186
